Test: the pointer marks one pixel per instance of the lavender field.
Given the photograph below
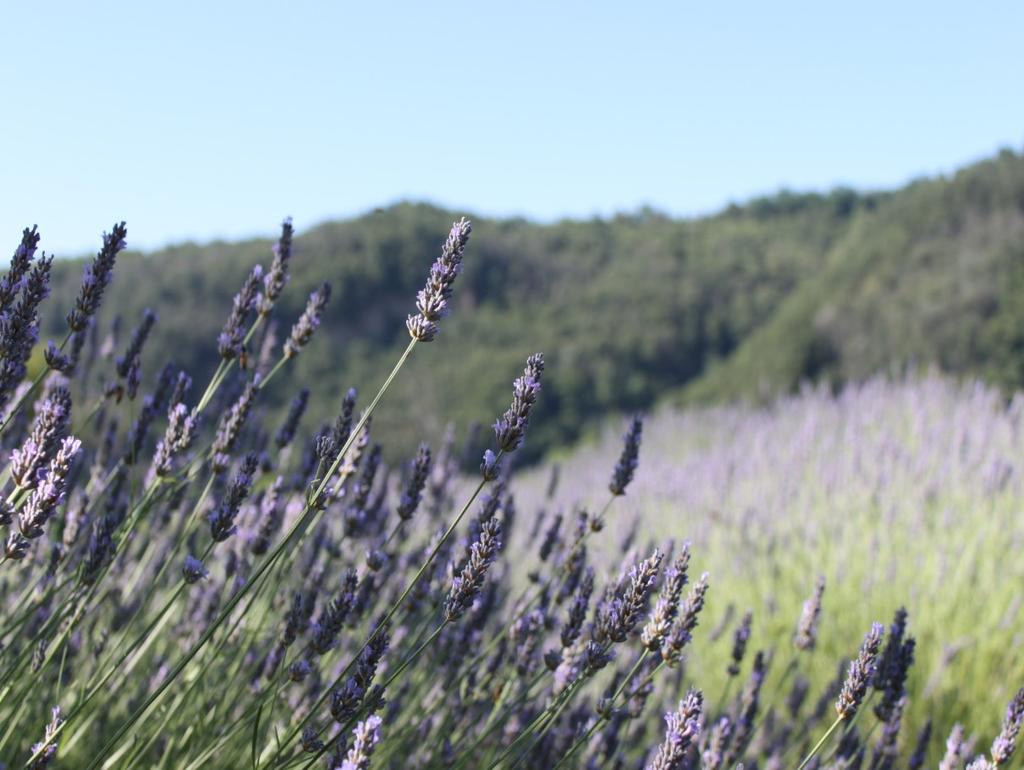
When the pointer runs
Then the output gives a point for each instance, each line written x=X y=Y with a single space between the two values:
x=905 y=493
x=829 y=582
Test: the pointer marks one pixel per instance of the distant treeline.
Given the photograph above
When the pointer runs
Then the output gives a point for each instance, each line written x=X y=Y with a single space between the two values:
x=628 y=310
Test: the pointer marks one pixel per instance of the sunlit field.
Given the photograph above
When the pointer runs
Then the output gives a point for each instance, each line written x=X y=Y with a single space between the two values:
x=903 y=493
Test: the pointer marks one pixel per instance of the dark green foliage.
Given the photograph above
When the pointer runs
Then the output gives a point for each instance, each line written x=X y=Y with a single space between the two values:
x=933 y=274
x=743 y=304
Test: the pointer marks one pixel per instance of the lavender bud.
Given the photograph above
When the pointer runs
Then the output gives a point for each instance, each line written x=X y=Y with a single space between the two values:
x=20 y=330
x=133 y=378
x=859 y=674
x=468 y=583
x=667 y=607
x=920 y=753
x=277 y=276
x=270 y=518
x=683 y=727
x=53 y=417
x=682 y=632
x=299 y=670
x=490 y=467
x=617 y=616
x=1005 y=743
x=739 y=643
x=309 y=321
x=96 y=278
x=807 y=629
x=222 y=518
x=101 y=549
x=551 y=537
x=286 y=432
x=297 y=619
x=432 y=300
x=16 y=547
x=231 y=425
x=526 y=633
x=893 y=665
x=552 y=658
x=193 y=571
x=365 y=737
x=627 y=464
x=55 y=359
x=135 y=344
x=594 y=657
x=955 y=749
x=713 y=755
x=578 y=610
x=47 y=749
x=139 y=431
x=743 y=726
x=346 y=700
x=413 y=493
x=12 y=283
x=894 y=683
x=334 y=615
x=181 y=427
x=231 y=342
x=49 y=492
x=311 y=743
x=375 y=560
x=343 y=423
x=181 y=387
x=510 y=428
x=325 y=446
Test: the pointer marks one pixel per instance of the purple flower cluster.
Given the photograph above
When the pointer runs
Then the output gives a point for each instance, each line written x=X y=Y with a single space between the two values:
x=510 y=428
x=432 y=299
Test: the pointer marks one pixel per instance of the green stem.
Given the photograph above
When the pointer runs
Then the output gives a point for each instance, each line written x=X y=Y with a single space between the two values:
x=820 y=743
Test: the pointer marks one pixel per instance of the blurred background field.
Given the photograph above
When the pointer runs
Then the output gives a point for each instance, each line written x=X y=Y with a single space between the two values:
x=900 y=493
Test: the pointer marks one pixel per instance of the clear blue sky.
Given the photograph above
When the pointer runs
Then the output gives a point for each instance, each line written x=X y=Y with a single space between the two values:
x=216 y=119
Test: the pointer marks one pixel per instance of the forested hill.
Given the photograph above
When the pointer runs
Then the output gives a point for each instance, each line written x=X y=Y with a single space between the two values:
x=628 y=310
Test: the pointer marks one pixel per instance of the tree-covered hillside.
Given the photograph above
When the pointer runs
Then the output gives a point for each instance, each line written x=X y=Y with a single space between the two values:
x=932 y=275
x=627 y=310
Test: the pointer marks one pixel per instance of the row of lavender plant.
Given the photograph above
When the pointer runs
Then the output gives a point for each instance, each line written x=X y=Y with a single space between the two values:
x=186 y=585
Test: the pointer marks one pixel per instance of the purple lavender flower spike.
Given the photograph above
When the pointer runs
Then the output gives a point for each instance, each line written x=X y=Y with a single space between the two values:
x=13 y=281
x=1006 y=742
x=231 y=342
x=628 y=461
x=193 y=570
x=683 y=727
x=510 y=428
x=365 y=737
x=96 y=278
x=277 y=277
x=432 y=300
x=309 y=321
x=222 y=518
x=859 y=674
